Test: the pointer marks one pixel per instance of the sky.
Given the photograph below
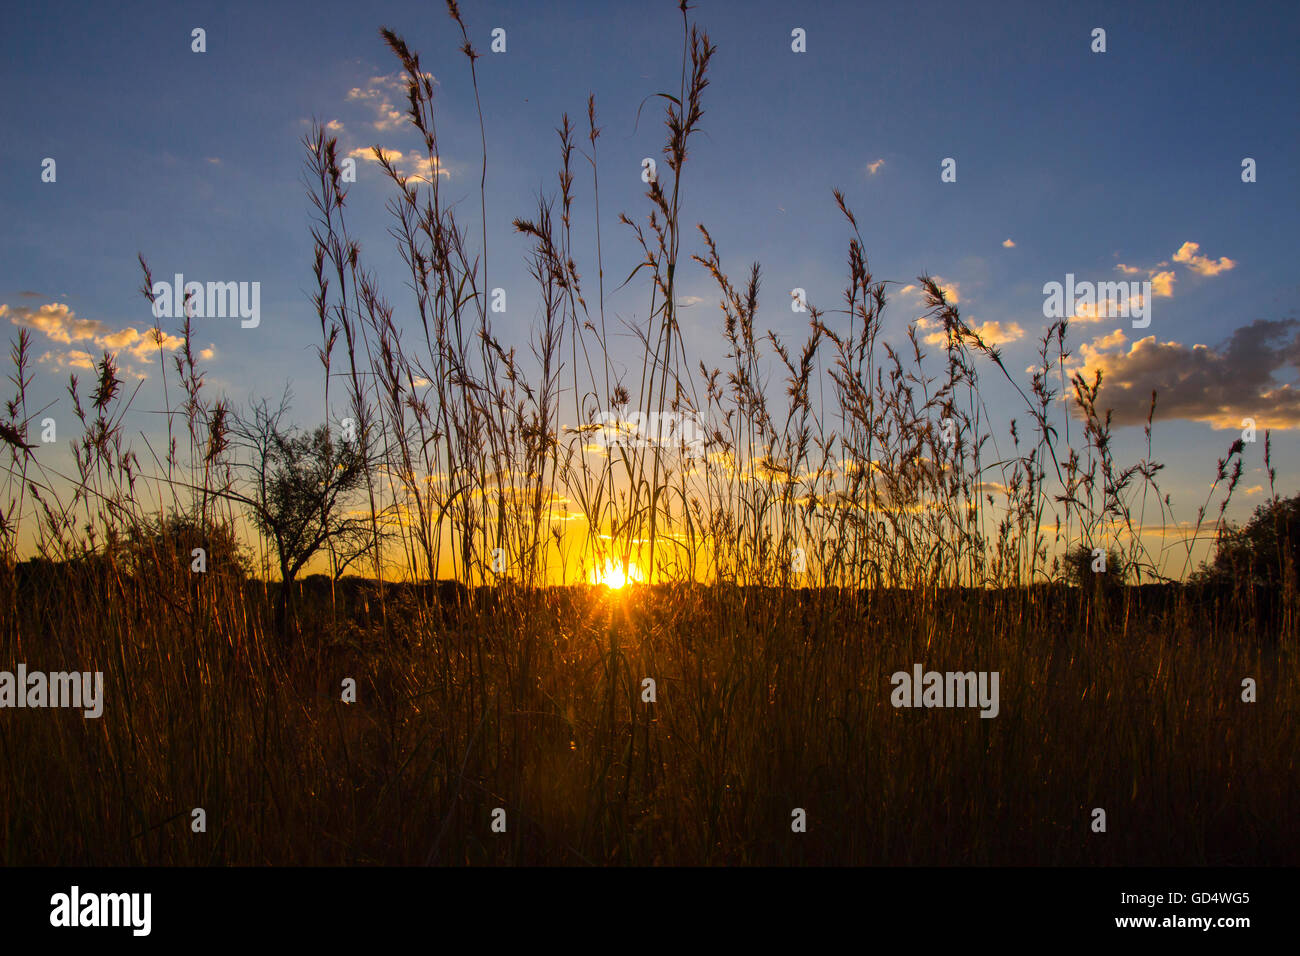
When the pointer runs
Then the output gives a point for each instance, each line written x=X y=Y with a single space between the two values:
x=1122 y=165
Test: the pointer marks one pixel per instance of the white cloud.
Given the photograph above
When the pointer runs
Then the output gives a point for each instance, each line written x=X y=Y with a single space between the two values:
x=379 y=94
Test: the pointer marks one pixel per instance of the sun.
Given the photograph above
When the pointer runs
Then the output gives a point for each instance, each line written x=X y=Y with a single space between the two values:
x=614 y=577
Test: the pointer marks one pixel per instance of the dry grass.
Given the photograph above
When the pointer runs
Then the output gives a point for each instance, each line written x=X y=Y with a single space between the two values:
x=923 y=543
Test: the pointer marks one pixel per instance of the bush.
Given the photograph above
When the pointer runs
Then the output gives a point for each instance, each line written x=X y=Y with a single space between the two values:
x=164 y=546
x=1079 y=571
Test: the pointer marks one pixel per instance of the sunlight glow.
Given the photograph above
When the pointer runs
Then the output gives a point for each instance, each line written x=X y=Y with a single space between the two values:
x=614 y=577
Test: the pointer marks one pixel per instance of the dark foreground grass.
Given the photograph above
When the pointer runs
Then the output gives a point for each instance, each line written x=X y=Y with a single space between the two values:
x=767 y=700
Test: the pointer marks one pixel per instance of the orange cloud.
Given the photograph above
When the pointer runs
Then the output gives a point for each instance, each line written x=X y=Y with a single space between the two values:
x=1162 y=284
x=60 y=324
x=991 y=333
x=1187 y=255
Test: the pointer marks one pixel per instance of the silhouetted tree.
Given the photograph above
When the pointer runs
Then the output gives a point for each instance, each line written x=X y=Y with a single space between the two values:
x=301 y=486
x=1265 y=552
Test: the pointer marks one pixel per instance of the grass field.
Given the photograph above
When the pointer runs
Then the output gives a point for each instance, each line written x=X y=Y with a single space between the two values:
x=474 y=539
x=767 y=700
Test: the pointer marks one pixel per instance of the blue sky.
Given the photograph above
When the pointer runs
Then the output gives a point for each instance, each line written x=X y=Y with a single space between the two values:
x=1085 y=161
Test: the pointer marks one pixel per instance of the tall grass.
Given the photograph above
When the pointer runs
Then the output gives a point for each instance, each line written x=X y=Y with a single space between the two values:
x=837 y=529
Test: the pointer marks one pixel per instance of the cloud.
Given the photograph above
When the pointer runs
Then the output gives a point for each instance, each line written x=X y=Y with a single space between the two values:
x=118 y=340
x=1114 y=303
x=1162 y=284
x=155 y=341
x=1187 y=255
x=1105 y=342
x=874 y=167
x=60 y=324
x=1124 y=297
x=367 y=153
x=411 y=164
x=991 y=333
x=914 y=296
x=686 y=301
x=56 y=320
x=951 y=290
x=1219 y=386
x=378 y=94
x=1008 y=244
x=423 y=168
x=73 y=358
